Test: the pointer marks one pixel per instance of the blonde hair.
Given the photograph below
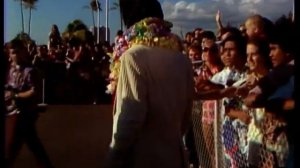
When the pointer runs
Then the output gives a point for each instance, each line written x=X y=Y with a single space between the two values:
x=257 y=21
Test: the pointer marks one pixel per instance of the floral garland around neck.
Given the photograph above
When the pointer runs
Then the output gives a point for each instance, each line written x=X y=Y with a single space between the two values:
x=152 y=32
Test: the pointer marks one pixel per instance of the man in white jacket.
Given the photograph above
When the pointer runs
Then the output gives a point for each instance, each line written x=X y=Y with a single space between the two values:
x=154 y=92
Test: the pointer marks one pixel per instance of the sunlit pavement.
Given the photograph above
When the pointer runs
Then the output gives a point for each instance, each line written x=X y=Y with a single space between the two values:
x=74 y=136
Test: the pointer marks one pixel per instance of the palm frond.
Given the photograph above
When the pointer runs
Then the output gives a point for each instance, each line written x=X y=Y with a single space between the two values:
x=95 y=5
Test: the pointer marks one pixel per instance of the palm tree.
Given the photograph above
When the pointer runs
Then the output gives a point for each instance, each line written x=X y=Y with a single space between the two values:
x=92 y=12
x=93 y=7
x=29 y=4
x=77 y=30
x=116 y=5
x=96 y=6
x=22 y=15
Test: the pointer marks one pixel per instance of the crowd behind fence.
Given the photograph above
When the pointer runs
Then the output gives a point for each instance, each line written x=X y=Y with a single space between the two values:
x=215 y=157
x=78 y=74
x=73 y=85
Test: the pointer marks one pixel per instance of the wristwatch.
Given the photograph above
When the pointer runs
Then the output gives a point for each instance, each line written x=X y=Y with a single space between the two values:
x=15 y=95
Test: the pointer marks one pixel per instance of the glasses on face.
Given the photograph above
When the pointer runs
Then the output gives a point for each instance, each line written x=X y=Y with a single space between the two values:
x=228 y=49
x=211 y=49
x=194 y=55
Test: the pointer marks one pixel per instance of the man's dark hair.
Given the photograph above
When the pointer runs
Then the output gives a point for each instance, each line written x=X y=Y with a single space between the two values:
x=120 y=32
x=17 y=44
x=209 y=34
x=133 y=11
x=240 y=42
x=284 y=35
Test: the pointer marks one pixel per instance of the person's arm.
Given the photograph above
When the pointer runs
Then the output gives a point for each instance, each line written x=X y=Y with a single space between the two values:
x=250 y=99
x=206 y=85
x=271 y=90
x=280 y=105
x=78 y=53
x=25 y=94
x=218 y=21
x=289 y=104
x=215 y=94
x=34 y=85
x=275 y=78
x=213 y=88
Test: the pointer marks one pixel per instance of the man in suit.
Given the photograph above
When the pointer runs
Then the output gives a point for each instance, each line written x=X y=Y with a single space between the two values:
x=154 y=92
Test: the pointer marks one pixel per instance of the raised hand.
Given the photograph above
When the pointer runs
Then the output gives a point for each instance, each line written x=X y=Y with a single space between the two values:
x=218 y=16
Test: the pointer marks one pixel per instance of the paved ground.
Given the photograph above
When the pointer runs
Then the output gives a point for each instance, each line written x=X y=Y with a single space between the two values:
x=74 y=136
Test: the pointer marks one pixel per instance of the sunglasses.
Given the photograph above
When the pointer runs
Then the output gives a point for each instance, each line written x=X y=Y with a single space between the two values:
x=211 y=49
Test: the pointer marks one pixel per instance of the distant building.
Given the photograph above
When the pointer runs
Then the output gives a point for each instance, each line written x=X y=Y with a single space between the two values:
x=102 y=31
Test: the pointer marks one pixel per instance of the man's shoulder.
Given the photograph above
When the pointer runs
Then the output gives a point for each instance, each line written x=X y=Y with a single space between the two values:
x=149 y=51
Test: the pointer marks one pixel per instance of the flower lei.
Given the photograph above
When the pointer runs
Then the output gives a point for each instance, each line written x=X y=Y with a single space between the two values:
x=153 y=32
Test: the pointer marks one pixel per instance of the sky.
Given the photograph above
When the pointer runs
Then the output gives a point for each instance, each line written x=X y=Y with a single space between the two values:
x=185 y=15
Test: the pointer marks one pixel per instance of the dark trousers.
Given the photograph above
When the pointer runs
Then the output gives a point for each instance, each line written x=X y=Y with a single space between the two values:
x=25 y=132
x=190 y=145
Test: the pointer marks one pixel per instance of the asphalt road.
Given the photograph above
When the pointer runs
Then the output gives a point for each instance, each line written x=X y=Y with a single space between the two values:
x=74 y=136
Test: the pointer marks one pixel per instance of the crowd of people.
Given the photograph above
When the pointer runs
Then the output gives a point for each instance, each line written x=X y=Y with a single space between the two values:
x=167 y=91
x=251 y=70
x=74 y=71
